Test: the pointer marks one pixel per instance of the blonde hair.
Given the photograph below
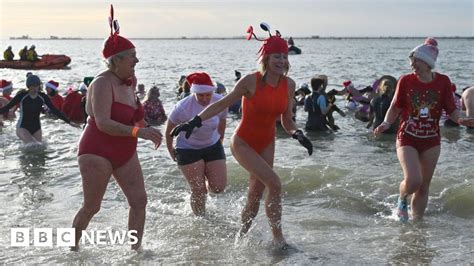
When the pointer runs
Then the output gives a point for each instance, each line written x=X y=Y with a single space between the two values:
x=386 y=86
x=264 y=65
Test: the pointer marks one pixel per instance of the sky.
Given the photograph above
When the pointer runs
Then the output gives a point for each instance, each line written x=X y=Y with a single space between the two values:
x=230 y=18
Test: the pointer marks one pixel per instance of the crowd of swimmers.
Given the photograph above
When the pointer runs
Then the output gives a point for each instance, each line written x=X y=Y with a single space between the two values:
x=70 y=102
x=25 y=54
x=194 y=131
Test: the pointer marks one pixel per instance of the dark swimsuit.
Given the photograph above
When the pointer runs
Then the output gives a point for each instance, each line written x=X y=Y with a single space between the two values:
x=316 y=118
x=30 y=110
x=117 y=149
x=379 y=105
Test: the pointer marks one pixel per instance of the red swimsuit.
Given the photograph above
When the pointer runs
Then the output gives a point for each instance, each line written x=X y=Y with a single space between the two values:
x=258 y=125
x=117 y=149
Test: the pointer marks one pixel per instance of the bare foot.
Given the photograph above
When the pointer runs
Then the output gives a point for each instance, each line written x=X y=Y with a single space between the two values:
x=280 y=244
x=244 y=228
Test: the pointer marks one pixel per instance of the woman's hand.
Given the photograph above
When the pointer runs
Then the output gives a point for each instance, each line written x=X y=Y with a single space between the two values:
x=187 y=127
x=152 y=134
x=381 y=128
x=468 y=122
x=303 y=140
x=172 y=153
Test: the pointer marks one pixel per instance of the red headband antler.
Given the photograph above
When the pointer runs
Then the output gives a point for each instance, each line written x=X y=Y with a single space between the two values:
x=115 y=43
x=113 y=23
x=273 y=44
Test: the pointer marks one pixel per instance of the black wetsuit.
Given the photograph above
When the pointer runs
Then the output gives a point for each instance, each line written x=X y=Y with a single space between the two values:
x=379 y=105
x=30 y=110
x=316 y=119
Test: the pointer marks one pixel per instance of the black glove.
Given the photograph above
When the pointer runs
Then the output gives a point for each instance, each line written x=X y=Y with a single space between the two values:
x=332 y=92
x=303 y=140
x=188 y=127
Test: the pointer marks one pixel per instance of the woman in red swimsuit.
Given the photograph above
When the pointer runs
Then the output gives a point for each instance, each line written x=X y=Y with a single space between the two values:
x=419 y=99
x=108 y=144
x=265 y=95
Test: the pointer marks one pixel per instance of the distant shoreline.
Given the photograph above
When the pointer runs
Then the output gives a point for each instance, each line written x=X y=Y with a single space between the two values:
x=242 y=37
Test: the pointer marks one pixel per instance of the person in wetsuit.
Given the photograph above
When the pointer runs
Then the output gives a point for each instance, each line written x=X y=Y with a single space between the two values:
x=317 y=105
x=265 y=95
x=108 y=145
x=31 y=105
x=381 y=102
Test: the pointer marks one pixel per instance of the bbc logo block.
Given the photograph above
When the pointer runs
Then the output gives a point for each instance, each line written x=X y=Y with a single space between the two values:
x=42 y=237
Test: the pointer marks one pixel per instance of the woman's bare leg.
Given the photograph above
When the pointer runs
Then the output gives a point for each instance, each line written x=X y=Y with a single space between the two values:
x=130 y=179
x=260 y=167
x=194 y=174
x=95 y=172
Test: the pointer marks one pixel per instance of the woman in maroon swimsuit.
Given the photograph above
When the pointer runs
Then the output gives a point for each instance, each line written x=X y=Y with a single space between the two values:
x=108 y=144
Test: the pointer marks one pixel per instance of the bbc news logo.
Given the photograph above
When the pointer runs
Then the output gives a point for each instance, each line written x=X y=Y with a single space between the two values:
x=66 y=237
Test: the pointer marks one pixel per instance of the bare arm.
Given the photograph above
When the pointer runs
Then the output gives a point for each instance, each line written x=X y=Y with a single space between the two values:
x=242 y=88
x=221 y=128
x=169 y=139
x=101 y=105
x=468 y=103
x=467 y=100
x=456 y=116
x=287 y=117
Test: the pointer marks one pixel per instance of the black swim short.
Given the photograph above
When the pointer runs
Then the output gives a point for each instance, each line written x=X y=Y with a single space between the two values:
x=211 y=153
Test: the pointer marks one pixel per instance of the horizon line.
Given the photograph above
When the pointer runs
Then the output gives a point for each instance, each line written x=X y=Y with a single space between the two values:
x=26 y=37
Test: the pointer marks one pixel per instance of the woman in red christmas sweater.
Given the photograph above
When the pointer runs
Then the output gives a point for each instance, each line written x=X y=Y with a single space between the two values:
x=419 y=99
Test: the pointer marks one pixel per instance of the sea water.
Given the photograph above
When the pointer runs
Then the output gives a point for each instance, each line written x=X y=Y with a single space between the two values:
x=338 y=204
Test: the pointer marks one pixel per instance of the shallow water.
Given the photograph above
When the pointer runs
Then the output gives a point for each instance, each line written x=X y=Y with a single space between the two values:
x=337 y=205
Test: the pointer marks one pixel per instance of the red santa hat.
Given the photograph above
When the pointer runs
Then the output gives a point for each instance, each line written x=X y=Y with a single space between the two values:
x=5 y=85
x=272 y=45
x=453 y=87
x=426 y=52
x=115 y=43
x=52 y=85
x=200 y=82
x=347 y=83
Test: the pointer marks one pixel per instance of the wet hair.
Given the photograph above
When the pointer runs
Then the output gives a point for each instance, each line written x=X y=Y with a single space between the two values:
x=317 y=83
x=386 y=86
x=392 y=84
